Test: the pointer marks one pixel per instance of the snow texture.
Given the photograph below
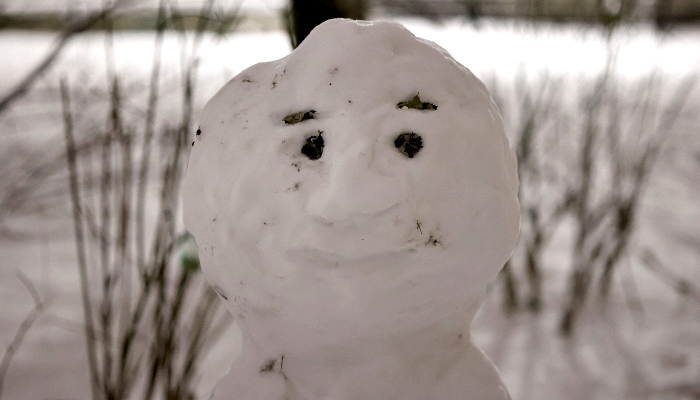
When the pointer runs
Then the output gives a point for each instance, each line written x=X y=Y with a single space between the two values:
x=353 y=269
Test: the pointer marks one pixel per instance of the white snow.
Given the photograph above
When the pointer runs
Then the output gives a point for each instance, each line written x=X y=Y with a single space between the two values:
x=354 y=275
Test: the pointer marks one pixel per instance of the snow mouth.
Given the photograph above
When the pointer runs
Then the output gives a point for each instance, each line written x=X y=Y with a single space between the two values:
x=356 y=221
x=354 y=251
x=356 y=236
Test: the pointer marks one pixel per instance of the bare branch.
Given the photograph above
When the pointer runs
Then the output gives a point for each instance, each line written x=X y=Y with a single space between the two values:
x=80 y=238
x=23 y=328
x=76 y=27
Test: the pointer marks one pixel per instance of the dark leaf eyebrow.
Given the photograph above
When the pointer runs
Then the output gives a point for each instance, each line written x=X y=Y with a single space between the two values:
x=295 y=118
x=417 y=104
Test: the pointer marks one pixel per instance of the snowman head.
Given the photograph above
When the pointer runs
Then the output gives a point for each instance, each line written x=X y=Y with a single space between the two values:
x=362 y=184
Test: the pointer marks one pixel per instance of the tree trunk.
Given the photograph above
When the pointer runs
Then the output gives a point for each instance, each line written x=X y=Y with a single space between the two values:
x=304 y=15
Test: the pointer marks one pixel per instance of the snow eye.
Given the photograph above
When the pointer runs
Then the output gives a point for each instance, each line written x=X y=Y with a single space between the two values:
x=313 y=147
x=409 y=143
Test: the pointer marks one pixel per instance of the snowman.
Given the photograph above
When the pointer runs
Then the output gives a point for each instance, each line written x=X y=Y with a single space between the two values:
x=350 y=203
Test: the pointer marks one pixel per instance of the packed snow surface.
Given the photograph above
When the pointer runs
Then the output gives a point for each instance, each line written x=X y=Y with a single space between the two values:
x=351 y=202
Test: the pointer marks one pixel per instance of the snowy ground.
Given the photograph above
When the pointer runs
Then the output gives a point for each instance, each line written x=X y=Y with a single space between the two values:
x=611 y=357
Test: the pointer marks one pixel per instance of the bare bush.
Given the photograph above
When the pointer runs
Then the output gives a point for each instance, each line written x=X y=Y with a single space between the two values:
x=149 y=316
x=586 y=149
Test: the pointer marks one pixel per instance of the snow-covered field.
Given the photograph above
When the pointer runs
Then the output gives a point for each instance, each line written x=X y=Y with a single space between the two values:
x=610 y=357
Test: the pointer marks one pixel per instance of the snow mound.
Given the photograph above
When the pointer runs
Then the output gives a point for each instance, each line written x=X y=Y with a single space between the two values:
x=351 y=202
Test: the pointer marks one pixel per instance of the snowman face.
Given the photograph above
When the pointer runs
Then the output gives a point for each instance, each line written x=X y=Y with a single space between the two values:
x=368 y=180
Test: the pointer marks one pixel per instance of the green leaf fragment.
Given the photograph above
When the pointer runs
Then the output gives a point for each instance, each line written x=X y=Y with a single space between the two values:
x=415 y=103
x=189 y=264
x=298 y=117
x=188 y=255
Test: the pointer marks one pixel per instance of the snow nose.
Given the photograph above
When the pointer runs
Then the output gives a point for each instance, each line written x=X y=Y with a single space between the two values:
x=354 y=187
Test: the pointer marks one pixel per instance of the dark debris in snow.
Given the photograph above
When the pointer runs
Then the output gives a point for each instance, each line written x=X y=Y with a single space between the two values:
x=269 y=366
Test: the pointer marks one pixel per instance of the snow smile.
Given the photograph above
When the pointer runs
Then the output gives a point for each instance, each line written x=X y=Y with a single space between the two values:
x=358 y=220
x=363 y=237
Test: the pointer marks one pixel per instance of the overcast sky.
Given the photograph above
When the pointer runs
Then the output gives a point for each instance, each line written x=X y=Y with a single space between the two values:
x=64 y=5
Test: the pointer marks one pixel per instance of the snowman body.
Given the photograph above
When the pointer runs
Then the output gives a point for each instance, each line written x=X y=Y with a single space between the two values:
x=350 y=203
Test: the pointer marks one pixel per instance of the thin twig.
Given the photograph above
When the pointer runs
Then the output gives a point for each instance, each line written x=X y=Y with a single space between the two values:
x=80 y=239
x=105 y=244
x=22 y=330
x=147 y=141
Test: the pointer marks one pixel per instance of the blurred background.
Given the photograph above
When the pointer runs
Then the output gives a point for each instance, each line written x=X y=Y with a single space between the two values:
x=100 y=290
